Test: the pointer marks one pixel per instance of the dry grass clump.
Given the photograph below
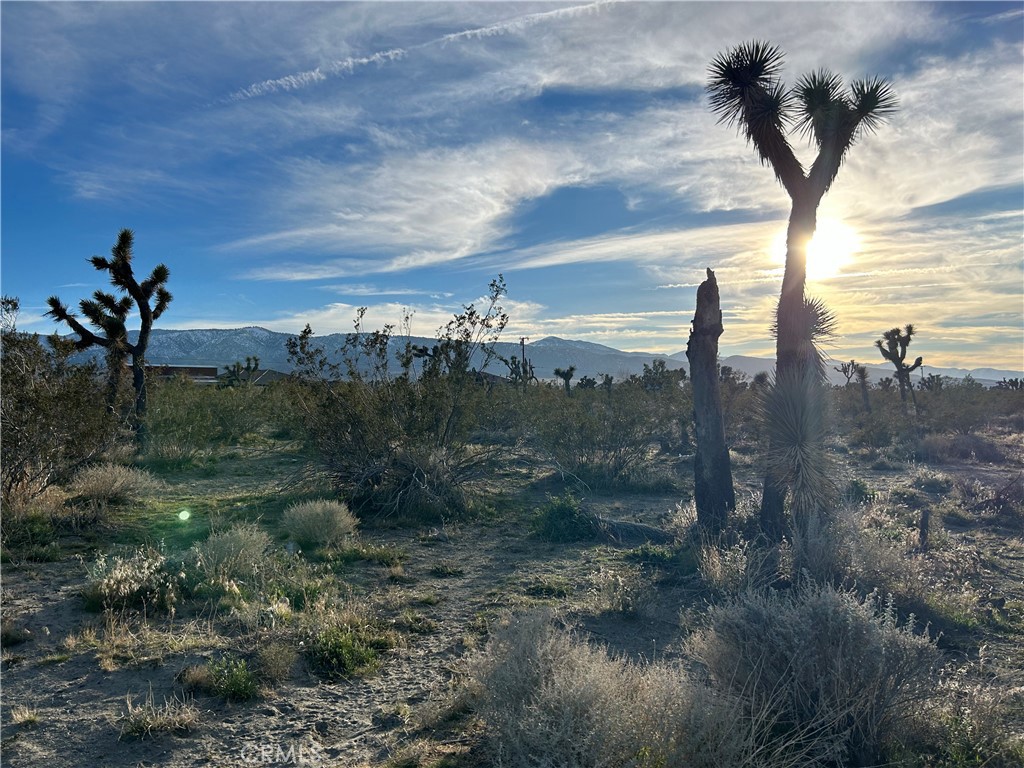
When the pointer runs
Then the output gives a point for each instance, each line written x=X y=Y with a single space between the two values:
x=841 y=672
x=238 y=553
x=959 y=447
x=550 y=699
x=146 y=719
x=319 y=523
x=111 y=484
x=27 y=716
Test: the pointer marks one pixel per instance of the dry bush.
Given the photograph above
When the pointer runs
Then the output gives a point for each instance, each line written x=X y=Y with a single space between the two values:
x=958 y=447
x=622 y=590
x=841 y=672
x=969 y=716
x=549 y=699
x=111 y=484
x=319 y=523
x=275 y=661
x=140 y=579
x=240 y=553
x=728 y=569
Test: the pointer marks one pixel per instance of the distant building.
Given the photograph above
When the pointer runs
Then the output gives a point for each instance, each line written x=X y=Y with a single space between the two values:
x=260 y=377
x=199 y=374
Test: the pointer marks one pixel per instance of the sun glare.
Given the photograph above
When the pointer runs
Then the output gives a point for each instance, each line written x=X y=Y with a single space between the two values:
x=831 y=249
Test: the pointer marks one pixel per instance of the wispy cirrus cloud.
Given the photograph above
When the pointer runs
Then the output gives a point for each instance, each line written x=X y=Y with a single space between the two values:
x=349 y=65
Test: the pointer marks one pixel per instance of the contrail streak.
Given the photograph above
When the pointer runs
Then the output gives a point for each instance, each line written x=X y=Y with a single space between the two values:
x=349 y=65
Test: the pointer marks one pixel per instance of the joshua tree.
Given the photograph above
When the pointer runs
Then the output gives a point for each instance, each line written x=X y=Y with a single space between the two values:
x=862 y=381
x=566 y=374
x=745 y=90
x=849 y=370
x=893 y=346
x=109 y=314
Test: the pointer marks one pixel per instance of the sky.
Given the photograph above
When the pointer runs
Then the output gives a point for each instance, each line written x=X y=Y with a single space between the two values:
x=291 y=162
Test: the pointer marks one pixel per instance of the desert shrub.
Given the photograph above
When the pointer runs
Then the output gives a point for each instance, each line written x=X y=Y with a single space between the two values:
x=140 y=579
x=275 y=661
x=237 y=555
x=549 y=699
x=111 y=484
x=609 y=438
x=231 y=678
x=563 y=519
x=622 y=590
x=395 y=432
x=53 y=414
x=189 y=418
x=728 y=568
x=346 y=643
x=839 y=669
x=962 y=447
x=967 y=722
x=319 y=523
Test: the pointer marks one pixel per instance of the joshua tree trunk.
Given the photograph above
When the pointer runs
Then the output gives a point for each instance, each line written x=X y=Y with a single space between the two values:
x=794 y=351
x=712 y=471
x=862 y=380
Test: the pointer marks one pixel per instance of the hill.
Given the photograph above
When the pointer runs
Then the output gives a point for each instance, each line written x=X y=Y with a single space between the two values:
x=221 y=347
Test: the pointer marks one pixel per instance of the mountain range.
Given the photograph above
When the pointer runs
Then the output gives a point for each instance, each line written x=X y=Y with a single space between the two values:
x=222 y=347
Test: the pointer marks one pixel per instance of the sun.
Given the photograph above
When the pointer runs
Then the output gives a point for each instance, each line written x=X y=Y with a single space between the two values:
x=832 y=248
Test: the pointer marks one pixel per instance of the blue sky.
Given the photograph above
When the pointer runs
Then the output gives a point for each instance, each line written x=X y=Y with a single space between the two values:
x=293 y=161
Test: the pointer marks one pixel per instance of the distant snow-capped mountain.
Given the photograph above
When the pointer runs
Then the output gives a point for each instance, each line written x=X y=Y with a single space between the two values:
x=222 y=347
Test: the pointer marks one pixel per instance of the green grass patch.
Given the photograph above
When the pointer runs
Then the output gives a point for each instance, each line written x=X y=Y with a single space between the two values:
x=341 y=651
x=378 y=554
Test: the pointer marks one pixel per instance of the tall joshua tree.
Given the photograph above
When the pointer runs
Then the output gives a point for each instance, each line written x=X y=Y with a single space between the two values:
x=893 y=346
x=745 y=90
x=108 y=314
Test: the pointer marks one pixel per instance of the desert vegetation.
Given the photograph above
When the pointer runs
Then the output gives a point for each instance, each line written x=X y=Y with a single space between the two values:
x=397 y=556
x=403 y=562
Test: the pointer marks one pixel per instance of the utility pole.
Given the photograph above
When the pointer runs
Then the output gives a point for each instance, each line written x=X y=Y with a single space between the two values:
x=522 y=359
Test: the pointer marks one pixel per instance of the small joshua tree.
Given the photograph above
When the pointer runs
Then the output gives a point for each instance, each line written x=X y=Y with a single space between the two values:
x=566 y=374
x=108 y=314
x=849 y=370
x=893 y=346
x=862 y=381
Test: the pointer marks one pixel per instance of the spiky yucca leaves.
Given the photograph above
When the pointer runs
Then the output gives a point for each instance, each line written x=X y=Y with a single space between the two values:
x=793 y=414
x=793 y=411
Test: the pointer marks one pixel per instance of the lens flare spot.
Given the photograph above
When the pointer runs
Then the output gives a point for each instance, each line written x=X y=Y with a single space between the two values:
x=184 y=514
